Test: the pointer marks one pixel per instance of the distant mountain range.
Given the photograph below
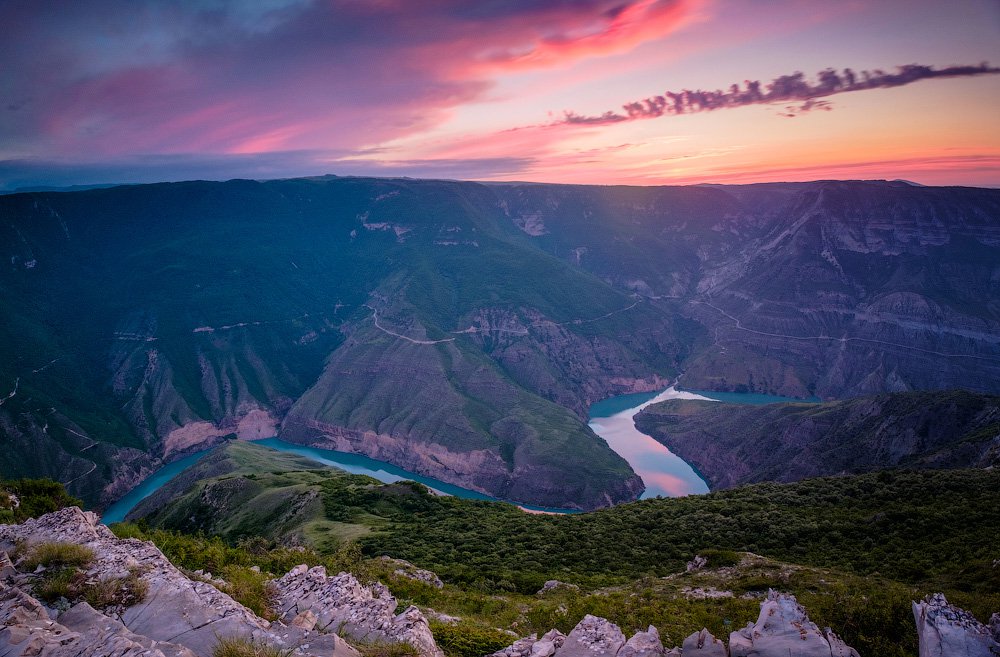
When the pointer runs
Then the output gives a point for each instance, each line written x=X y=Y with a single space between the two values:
x=461 y=330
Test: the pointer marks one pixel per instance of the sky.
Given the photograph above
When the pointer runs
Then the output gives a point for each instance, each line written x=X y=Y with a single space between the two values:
x=640 y=92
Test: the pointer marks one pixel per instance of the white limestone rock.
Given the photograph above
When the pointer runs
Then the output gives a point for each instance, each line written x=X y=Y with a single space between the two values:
x=643 y=644
x=783 y=628
x=593 y=637
x=703 y=644
x=344 y=605
x=945 y=630
x=549 y=644
x=408 y=570
x=194 y=615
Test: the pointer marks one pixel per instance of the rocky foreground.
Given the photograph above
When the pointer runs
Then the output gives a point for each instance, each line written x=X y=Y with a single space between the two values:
x=318 y=614
x=184 y=617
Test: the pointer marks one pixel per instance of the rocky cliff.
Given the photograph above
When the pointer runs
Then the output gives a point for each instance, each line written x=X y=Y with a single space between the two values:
x=733 y=444
x=179 y=616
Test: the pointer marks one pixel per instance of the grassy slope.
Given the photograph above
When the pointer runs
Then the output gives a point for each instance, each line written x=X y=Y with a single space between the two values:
x=864 y=546
x=733 y=444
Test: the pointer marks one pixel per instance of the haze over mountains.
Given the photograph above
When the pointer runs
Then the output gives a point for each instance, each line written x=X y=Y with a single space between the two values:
x=461 y=330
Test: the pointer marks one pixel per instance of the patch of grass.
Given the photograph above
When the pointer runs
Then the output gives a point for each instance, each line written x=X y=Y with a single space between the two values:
x=62 y=583
x=120 y=592
x=384 y=648
x=56 y=554
x=245 y=647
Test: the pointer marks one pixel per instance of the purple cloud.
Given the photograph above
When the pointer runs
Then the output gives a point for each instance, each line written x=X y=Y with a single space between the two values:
x=113 y=78
x=786 y=88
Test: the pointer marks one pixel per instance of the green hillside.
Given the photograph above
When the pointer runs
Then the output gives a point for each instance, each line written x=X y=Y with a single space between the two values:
x=854 y=549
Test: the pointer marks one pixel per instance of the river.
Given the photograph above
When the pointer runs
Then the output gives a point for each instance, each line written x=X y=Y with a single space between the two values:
x=664 y=473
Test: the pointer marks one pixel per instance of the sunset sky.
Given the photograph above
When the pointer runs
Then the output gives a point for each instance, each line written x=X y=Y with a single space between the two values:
x=587 y=91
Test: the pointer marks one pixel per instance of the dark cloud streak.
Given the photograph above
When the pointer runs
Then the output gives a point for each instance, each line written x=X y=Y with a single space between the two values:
x=783 y=89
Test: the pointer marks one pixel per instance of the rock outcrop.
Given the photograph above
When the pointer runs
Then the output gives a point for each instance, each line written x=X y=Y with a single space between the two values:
x=944 y=630
x=643 y=644
x=703 y=644
x=344 y=605
x=408 y=570
x=782 y=629
x=181 y=617
x=593 y=637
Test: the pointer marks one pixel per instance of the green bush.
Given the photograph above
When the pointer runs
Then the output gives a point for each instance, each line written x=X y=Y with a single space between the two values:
x=250 y=588
x=62 y=583
x=720 y=558
x=36 y=497
x=466 y=640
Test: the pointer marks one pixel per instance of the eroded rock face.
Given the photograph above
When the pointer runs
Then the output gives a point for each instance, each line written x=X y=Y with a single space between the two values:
x=178 y=617
x=783 y=628
x=944 y=630
x=344 y=605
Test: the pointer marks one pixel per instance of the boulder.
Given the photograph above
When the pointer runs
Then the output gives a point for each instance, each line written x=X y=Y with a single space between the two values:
x=643 y=644
x=945 y=630
x=703 y=644
x=697 y=563
x=553 y=584
x=408 y=570
x=783 y=629
x=593 y=637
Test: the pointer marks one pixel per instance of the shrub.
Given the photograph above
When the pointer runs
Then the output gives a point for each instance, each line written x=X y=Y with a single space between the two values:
x=720 y=558
x=63 y=583
x=250 y=588
x=464 y=640
x=36 y=497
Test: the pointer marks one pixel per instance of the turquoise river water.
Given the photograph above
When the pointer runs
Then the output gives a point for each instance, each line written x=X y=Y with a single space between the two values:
x=664 y=473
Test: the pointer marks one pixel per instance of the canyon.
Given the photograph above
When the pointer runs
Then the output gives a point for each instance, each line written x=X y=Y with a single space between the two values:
x=157 y=320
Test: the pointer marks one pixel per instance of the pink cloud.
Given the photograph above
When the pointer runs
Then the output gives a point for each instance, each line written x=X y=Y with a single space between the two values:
x=338 y=74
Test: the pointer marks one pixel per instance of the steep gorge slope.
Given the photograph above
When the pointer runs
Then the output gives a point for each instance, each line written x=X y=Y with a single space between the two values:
x=732 y=444
x=828 y=288
x=160 y=319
